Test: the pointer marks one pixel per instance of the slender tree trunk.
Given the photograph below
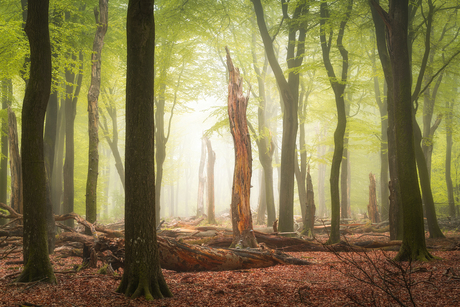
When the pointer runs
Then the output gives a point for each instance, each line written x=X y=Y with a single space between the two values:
x=243 y=234
x=160 y=142
x=309 y=221
x=372 y=208
x=37 y=265
x=321 y=174
x=102 y=17
x=338 y=85
x=210 y=187
x=6 y=90
x=344 y=184
x=16 y=201
x=56 y=176
x=142 y=273
x=449 y=128
x=201 y=179
x=262 y=208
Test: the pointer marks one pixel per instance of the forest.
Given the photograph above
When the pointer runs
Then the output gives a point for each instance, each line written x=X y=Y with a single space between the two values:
x=229 y=152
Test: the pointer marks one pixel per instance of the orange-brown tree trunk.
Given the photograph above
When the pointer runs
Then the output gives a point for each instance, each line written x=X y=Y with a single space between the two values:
x=372 y=207
x=241 y=210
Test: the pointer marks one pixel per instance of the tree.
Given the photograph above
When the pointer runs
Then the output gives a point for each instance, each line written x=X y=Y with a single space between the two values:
x=37 y=264
x=289 y=92
x=142 y=273
x=243 y=234
x=210 y=188
x=201 y=179
x=396 y=20
x=93 y=115
x=448 y=161
x=338 y=85
x=6 y=90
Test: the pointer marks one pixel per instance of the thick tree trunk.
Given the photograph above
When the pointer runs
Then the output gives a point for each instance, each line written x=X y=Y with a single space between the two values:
x=449 y=129
x=413 y=246
x=372 y=208
x=201 y=179
x=338 y=85
x=210 y=188
x=395 y=206
x=16 y=200
x=243 y=234
x=37 y=265
x=142 y=273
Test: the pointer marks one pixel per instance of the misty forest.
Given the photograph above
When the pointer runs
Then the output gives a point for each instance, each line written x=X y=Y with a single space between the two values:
x=229 y=152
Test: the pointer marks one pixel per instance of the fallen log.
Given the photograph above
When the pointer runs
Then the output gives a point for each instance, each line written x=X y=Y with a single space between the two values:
x=183 y=257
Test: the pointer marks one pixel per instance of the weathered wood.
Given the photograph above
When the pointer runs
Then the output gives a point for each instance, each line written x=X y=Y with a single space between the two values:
x=309 y=218
x=241 y=189
x=372 y=206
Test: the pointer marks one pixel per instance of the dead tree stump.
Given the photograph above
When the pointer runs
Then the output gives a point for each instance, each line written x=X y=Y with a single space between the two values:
x=372 y=208
x=243 y=233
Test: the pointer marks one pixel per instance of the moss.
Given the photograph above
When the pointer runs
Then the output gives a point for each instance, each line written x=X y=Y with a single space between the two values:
x=103 y=269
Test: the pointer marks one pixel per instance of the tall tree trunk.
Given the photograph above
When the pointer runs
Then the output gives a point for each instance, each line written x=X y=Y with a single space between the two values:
x=93 y=118
x=6 y=90
x=309 y=221
x=160 y=142
x=395 y=206
x=142 y=273
x=16 y=201
x=37 y=265
x=344 y=175
x=338 y=85
x=262 y=207
x=449 y=128
x=210 y=187
x=289 y=91
x=321 y=173
x=201 y=179
x=264 y=142
x=57 y=175
x=243 y=234
x=413 y=245
x=301 y=170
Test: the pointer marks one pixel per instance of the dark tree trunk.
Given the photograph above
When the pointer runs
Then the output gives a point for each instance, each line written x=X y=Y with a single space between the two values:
x=449 y=129
x=243 y=234
x=338 y=85
x=210 y=188
x=395 y=217
x=16 y=201
x=37 y=265
x=93 y=117
x=289 y=92
x=413 y=246
x=160 y=142
x=142 y=273
x=201 y=179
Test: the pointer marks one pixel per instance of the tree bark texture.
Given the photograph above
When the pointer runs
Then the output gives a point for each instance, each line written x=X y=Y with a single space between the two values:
x=396 y=20
x=289 y=92
x=210 y=187
x=241 y=189
x=395 y=217
x=16 y=200
x=338 y=85
x=93 y=113
x=57 y=175
x=201 y=179
x=142 y=273
x=37 y=265
x=372 y=208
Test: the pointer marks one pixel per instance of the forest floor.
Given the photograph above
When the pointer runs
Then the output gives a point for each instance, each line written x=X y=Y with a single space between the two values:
x=327 y=281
